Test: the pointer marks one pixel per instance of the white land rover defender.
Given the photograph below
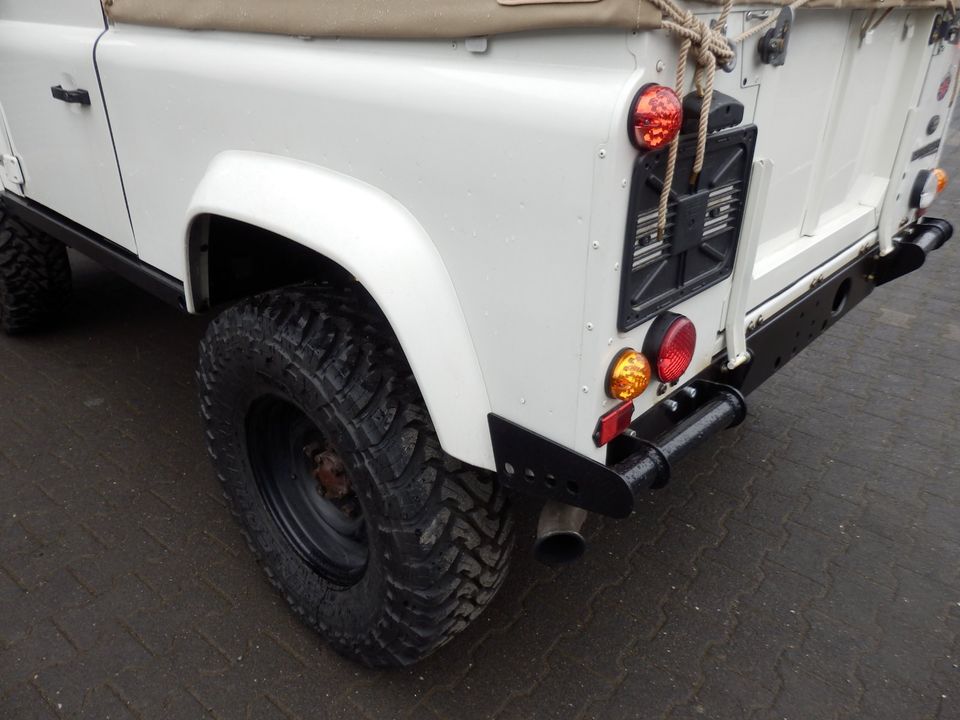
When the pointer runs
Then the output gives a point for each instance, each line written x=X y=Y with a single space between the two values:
x=461 y=249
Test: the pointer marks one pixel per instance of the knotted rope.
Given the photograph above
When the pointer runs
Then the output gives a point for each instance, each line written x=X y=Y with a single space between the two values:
x=711 y=45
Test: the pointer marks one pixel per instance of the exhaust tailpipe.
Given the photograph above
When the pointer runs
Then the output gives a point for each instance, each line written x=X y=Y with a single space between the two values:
x=558 y=534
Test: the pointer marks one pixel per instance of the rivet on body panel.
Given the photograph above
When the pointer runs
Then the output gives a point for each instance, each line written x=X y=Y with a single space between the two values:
x=476 y=44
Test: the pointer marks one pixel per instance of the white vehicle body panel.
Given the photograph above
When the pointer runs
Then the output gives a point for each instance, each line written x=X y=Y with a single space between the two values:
x=373 y=237
x=480 y=191
x=11 y=175
x=493 y=155
x=912 y=157
x=65 y=150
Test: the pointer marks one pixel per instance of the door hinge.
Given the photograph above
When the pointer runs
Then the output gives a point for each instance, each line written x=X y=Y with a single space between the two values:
x=11 y=174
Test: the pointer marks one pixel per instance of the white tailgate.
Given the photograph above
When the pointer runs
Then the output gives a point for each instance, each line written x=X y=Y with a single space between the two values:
x=831 y=121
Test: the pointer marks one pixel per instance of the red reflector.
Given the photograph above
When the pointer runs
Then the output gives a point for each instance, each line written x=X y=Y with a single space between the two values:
x=613 y=423
x=944 y=87
x=655 y=118
x=676 y=350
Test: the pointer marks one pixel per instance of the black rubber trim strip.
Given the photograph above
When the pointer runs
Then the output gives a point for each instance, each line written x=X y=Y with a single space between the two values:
x=98 y=248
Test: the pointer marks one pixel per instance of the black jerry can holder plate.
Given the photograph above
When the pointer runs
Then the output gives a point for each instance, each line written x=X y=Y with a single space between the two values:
x=699 y=244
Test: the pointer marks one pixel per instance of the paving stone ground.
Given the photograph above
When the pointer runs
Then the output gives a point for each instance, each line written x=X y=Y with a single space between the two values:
x=803 y=566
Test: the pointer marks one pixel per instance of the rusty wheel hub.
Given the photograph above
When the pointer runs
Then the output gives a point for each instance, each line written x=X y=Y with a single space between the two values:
x=306 y=486
x=333 y=483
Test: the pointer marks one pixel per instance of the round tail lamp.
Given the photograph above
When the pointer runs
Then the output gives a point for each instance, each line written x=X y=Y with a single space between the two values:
x=629 y=375
x=927 y=186
x=655 y=117
x=670 y=343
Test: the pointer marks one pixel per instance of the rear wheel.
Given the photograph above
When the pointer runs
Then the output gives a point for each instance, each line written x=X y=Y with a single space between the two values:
x=35 y=281
x=319 y=435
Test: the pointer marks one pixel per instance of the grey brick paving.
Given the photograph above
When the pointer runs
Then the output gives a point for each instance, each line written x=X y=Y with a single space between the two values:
x=805 y=565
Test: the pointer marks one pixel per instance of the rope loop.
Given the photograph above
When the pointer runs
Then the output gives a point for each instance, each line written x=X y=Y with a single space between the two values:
x=710 y=48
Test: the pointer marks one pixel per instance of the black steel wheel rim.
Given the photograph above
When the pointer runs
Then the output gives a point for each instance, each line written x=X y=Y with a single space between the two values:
x=323 y=524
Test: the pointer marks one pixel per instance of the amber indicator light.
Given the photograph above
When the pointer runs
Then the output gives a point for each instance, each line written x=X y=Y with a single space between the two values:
x=942 y=179
x=629 y=375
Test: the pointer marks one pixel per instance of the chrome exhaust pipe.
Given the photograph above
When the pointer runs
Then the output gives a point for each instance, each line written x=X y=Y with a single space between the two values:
x=558 y=534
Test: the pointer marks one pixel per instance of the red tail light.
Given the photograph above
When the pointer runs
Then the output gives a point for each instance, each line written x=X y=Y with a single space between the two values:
x=944 y=87
x=670 y=343
x=655 y=118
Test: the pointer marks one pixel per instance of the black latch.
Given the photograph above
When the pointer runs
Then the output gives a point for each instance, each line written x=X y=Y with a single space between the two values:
x=946 y=28
x=78 y=97
x=773 y=43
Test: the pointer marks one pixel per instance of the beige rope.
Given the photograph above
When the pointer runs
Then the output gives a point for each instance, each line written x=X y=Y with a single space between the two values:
x=672 y=154
x=711 y=45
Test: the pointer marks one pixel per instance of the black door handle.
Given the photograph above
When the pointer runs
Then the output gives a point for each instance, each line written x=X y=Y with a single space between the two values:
x=80 y=97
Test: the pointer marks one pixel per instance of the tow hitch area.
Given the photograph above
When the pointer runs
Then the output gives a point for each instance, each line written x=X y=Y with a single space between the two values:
x=535 y=465
x=912 y=247
x=641 y=457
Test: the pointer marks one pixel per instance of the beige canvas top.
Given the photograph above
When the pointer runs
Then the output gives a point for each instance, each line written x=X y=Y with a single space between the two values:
x=416 y=18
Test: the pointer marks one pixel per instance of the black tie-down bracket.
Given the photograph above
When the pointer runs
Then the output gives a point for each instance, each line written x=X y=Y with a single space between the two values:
x=772 y=46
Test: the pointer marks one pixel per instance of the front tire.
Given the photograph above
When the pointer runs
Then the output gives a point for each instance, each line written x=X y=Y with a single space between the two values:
x=35 y=280
x=319 y=435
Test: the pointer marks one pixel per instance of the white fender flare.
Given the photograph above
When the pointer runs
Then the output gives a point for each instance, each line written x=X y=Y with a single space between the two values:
x=378 y=241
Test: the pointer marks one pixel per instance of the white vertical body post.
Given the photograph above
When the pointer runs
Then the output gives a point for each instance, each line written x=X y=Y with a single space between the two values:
x=736 y=331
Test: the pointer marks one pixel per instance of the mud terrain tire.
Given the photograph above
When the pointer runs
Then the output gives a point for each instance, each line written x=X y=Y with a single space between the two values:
x=438 y=533
x=35 y=280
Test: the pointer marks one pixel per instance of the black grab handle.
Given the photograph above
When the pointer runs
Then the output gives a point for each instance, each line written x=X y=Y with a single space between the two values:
x=80 y=97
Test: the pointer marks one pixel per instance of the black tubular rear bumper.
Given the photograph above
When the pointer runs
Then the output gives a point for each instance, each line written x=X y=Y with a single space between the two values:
x=533 y=464
x=641 y=458
x=912 y=247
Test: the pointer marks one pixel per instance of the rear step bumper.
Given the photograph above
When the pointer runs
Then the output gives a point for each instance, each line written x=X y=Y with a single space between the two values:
x=641 y=458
